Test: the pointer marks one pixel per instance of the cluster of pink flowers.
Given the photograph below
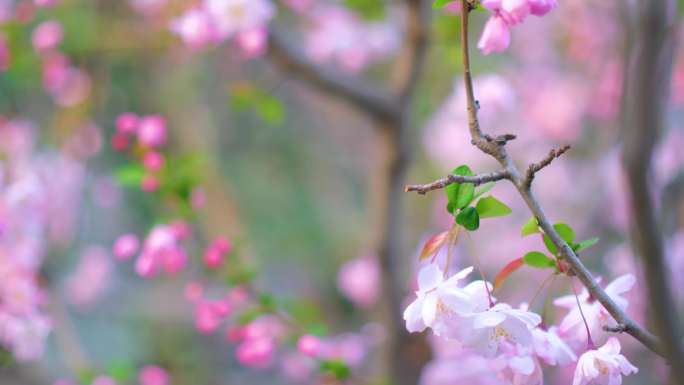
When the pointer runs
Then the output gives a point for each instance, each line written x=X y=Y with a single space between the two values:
x=496 y=36
x=66 y=84
x=337 y=35
x=150 y=134
x=216 y=21
x=513 y=340
x=162 y=250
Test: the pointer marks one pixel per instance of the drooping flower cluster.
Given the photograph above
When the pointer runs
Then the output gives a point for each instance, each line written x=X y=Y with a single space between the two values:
x=216 y=21
x=496 y=36
x=162 y=250
x=507 y=341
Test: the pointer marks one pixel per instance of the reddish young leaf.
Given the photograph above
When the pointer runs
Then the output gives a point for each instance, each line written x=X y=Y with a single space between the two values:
x=433 y=245
x=506 y=271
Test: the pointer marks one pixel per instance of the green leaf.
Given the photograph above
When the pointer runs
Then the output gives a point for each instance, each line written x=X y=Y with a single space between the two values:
x=538 y=259
x=484 y=189
x=468 y=218
x=438 y=4
x=530 y=227
x=489 y=207
x=459 y=194
x=269 y=108
x=585 y=244
x=549 y=244
x=130 y=174
x=566 y=232
x=369 y=10
x=337 y=368
x=120 y=370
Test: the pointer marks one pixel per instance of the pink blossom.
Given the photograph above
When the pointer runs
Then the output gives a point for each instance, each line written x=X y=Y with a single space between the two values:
x=551 y=348
x=153 y=161
x=233 y=16
x=495 y=37
x=152 y=131
x=359 y=281
x=309 y=345
x=161 y=249
x=253 y=42
x=256 y=353
x=515 y=11
x=193 y=291
x=594 y=313
x=45 y=3
x=47 y=35
x=153 y=375
x=209 y=314
x=91 y=278
x=127 y=123
x=215 y=253
x=120 y=142
x=150 y=183
x=604 y=365
x=194 y=27
x=541 y=7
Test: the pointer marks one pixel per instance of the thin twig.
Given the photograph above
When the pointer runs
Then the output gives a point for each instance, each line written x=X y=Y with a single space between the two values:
x=452 y=178
x=534 y=167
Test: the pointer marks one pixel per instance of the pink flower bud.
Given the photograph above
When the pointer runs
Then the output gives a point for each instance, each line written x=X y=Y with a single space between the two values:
x=153 y=161
x=152 y=131
x=149 y=183
x=175 y=261
x=495 y=37
x=153 y=375
x=541 y=7
x=206 y=319
x=127 y=123
x=146 y=265
x=514 y=11
x=257 y=353
x=47 y=35
x=213 y=258
x=126 y=246
x=222 y=244
x=181 y=229
x=253 y=42
x=119 y=142
x=309 y=345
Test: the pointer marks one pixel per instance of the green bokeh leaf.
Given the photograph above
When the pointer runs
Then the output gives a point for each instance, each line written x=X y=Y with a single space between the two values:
x=130 y=174
x=438 y=4
x=338 y=368
x=530 y=227
x=585 y=244
x=468 y=218
x=490 y=207
x=539 y=260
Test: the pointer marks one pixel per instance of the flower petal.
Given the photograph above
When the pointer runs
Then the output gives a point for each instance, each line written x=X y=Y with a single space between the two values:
x=429 y=278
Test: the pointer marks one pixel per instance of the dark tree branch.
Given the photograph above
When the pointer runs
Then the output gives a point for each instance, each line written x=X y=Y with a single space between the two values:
x=498 y=151
x=646 y=96
x=449 y=179
x=534 y=167
x=372 y=99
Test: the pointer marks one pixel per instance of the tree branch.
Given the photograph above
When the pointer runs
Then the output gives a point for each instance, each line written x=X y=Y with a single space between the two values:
x=534 y=167
x=497 y=150
x=372 y=99
x=478 y=179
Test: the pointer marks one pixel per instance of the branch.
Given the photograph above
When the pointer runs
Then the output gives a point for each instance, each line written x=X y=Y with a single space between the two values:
x=534 y=167
x=497 y=150
x=477 y=180
x=371 y=99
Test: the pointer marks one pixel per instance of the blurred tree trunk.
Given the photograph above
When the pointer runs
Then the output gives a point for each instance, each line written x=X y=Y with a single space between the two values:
x=649 y=71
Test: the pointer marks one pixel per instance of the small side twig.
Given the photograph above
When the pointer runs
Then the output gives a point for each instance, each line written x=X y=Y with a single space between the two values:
x=619 y=328
x=477 y=180
x=535 y=167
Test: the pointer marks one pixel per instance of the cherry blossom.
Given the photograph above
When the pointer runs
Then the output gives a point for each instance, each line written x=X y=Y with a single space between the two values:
x=437 y=298
x=549 y=346
x=604 y=365
x=594 y=313
x=505 y=14
x=359 y=281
